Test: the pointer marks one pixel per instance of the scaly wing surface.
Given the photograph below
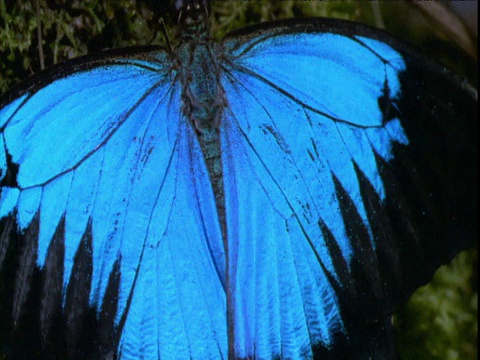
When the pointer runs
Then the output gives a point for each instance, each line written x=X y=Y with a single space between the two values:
x=109 y=240
x=349 y=177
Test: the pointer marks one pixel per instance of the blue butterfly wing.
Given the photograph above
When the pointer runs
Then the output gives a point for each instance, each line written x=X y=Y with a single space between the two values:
x=96 y=190
x=334 y=213
x=327 y=207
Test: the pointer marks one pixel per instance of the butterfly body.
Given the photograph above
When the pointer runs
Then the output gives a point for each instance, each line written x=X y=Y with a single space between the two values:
x=266 y=197
x=203 y=99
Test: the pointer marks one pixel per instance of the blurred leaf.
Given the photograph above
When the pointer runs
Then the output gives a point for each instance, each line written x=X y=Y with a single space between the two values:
x=440 y=320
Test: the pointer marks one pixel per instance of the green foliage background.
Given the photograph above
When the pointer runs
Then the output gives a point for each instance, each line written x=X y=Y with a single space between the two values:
x=440 y=320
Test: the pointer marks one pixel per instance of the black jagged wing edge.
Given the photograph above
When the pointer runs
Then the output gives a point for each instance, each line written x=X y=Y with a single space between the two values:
x=53 y=328
x=430 y=211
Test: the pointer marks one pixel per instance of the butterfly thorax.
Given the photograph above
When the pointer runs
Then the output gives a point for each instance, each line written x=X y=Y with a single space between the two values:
x=198 y=67
x=201 y=95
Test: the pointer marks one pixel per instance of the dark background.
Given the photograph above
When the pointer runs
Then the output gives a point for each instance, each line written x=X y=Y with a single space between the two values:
x=440 y=320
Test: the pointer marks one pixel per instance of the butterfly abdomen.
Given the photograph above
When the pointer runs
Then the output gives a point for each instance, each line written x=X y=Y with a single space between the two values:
x=210 y=144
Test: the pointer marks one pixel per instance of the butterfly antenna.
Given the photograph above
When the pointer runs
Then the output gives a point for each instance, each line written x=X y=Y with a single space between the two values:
x=377 y=15
x=165 y=35
x=39 y=35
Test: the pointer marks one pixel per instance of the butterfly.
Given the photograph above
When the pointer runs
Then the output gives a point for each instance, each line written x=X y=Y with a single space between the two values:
x=275 y=195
